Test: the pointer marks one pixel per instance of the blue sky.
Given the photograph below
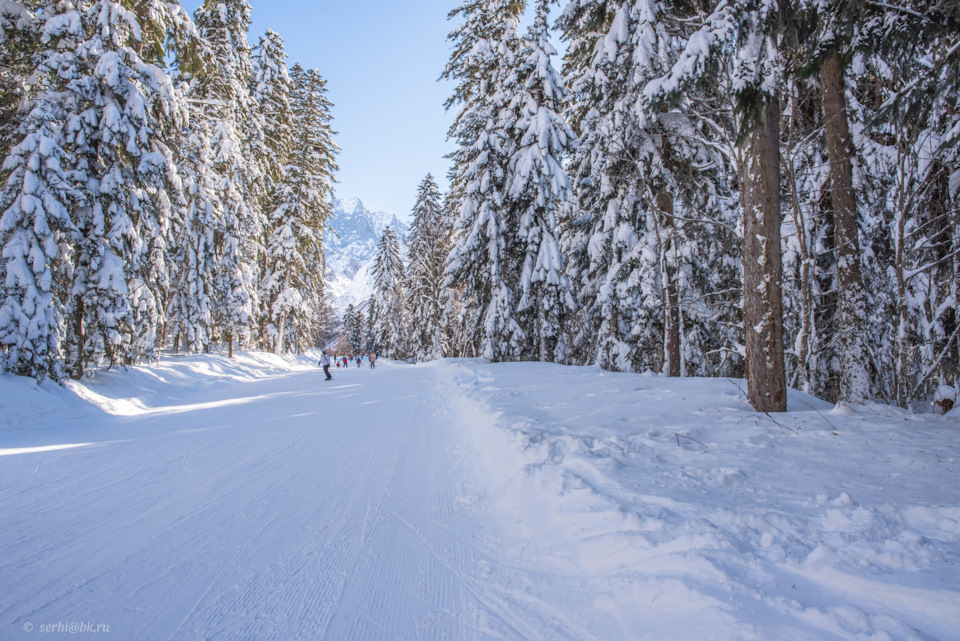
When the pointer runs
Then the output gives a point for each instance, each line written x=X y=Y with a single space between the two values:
x=381 y=60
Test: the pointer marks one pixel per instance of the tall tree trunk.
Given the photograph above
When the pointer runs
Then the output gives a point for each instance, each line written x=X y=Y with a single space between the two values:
x=851 y=316
x=282 y=321
x=762 y=264
x=671 y=305
x=902 y=383
x=75 y=340
x=804 y=344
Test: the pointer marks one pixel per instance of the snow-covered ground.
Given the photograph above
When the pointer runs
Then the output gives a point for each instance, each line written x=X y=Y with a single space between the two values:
x=249 y=499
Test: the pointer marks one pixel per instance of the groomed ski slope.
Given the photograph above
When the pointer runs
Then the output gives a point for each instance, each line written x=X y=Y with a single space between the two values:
x=249 y=499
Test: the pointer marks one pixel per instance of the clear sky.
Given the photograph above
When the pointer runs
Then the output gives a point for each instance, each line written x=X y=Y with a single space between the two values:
x=381 y=60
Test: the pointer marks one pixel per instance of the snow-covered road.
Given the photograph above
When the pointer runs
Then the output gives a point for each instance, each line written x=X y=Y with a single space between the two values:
x=300 y=509
x=207 y=498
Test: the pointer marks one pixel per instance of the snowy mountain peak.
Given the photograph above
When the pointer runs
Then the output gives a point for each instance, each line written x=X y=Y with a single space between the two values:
x=351 y=248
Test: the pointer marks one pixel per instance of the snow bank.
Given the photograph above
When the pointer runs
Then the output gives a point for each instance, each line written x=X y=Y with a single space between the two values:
x=26 y=405
x=685 y=514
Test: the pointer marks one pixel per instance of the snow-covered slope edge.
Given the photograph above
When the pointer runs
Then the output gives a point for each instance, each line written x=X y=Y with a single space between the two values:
x=24 y=403
x=674 y=509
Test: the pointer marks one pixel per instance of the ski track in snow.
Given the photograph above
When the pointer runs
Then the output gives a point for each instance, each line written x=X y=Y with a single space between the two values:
x=462 y=500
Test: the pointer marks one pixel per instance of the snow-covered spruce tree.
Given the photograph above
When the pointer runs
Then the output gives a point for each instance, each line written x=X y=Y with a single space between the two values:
x=100 y=76
x=389 y=312
x=194 y=256
x=749 y=32
x=829 y=34
x=353 y=328
x=293 y=277
x=645 y=249
x=601 y=234
x=19 y=47
x=269 y=142
x=324 y=325
x=427 y=251
x=369 y=322
x=458 y=327
x=35 y=199
x=223 y=90
x=484 y=49
x=537 y=187
x=905 y=127
x=271 y=94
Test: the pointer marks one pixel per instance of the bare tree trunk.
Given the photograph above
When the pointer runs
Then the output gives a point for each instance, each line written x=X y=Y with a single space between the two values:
x=229 y=344
x=899 y=268
x=282 y=321
x=762 y=264
x=851 y=306
x=75 y=341
x=804 y=344
x=671 y=306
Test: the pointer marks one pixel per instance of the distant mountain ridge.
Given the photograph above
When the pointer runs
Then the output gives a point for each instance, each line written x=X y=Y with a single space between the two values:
x=350 y=248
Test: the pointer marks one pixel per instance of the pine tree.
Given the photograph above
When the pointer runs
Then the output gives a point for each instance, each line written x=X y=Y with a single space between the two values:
x=905 y=126
x=537 y=188
x=192 y=296
x=622 y=236
x=745 y=36
x=604 y=228
x=481 y=63
x=457 y=324
x=293 y=279
x=224 y=90
x=111 y=109
x=269 y=144
x=35 y=223
x=353 y=328
x=271 y=95
x=389 y=313
x=427 y=254
x=19 y=46
x=34 y=220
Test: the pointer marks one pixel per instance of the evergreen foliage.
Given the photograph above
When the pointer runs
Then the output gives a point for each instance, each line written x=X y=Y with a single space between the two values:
x=131 y=206
x=293 y=278
x=224 y=91
x=164 y=185
x=389 y=312
x=537 y=190
x=485 y=46
x=427 y=254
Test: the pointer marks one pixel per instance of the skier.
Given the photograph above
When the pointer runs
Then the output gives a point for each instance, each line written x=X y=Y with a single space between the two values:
x=344 y=362
x=325 y=363
x=359 y=360
x=373 y=360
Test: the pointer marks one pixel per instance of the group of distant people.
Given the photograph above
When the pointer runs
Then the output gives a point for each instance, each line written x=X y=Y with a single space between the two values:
x=326 y=361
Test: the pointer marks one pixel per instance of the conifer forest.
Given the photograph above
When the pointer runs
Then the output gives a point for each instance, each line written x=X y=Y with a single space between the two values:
x=733 y=188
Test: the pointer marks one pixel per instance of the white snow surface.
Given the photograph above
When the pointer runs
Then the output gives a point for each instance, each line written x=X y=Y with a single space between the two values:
x=207 y=498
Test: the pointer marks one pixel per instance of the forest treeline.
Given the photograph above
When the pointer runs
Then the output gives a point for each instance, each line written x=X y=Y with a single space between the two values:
x=163 y=183
x=704 y=189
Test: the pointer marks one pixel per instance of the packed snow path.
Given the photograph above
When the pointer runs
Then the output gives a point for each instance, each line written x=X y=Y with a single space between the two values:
x=205 y=499
x=301 y=509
